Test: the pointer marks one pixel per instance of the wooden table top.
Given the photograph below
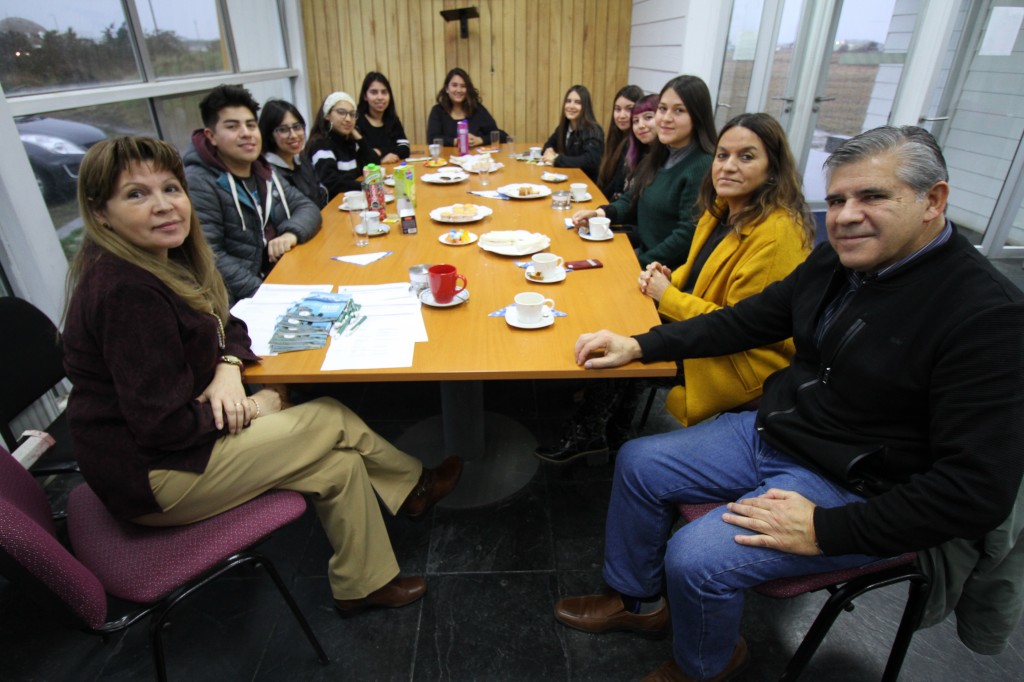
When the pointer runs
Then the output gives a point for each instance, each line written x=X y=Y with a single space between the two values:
x=464 y=343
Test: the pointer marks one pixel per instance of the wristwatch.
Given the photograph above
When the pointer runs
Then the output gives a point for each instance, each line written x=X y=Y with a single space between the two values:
x=233 y=360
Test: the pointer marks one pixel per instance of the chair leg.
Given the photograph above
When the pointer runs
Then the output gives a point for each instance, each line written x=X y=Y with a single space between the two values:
x=159 y=660
x=917 y=599
x=816 y=634
x=647 y=408
x=287 y=595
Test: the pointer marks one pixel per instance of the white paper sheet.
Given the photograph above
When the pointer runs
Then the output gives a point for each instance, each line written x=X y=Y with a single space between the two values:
x=394 y=323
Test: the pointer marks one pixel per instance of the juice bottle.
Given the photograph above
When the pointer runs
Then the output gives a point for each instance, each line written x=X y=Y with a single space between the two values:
x=373 y=187
x=462 y=130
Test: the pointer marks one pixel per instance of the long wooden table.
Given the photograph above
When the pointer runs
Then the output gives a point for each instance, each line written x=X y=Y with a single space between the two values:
x=466 y=345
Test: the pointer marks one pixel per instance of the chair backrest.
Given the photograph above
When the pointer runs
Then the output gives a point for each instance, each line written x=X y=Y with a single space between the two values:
x=31 y=359
x=33 y=558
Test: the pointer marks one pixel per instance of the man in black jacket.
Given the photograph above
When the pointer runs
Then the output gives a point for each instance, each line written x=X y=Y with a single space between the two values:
x=897 y=426
x=249 y=216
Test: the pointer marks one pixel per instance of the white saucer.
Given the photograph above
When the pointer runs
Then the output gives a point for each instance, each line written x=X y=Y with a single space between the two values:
x=597 y=239
x=586 y=197
x=427 y=296
x=512 y=317
x=381 y=230
x=558 y=276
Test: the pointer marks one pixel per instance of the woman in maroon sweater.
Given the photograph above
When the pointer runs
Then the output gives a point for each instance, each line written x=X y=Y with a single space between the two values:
x=162 y=426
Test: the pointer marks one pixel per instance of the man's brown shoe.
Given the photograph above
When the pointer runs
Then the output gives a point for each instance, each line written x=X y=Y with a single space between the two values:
x=606 y=613
x=399 y=592
x=670 y=672
x=433 y=485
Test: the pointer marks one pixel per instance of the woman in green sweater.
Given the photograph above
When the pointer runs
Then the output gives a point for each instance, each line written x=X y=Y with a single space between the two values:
x=663 y=193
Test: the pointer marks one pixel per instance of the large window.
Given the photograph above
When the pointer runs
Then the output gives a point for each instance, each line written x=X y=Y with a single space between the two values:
x=75 y=73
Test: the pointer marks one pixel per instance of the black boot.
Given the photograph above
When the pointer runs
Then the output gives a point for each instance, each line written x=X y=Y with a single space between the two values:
x=578 y=440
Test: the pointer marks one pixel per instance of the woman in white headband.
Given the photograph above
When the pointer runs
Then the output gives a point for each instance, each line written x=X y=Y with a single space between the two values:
x=335 y=145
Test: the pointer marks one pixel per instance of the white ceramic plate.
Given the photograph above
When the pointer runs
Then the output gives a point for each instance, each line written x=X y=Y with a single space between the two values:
x=586 y=197
x=390 y=181
x=481 y=213
x=445 y=178
x=553 y=177
x=427 y=296
x=512 y=191
x=444 y=239
x=522 y=247
x=557 y=276
x=388 y=198
x=512 y=317
x=597 y=239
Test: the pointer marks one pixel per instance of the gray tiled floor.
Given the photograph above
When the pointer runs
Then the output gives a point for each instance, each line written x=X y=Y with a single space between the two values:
x=493 y=575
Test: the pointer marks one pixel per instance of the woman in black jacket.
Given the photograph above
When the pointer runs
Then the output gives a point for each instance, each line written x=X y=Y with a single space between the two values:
x=336 y=147
x=378 y=121
x=578 y=141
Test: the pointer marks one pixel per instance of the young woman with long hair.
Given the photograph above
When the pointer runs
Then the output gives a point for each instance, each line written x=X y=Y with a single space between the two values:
x=578 y=141
x=663 y=192
x=162 y=426
x=755 y=229
x=378 y=120
x=460 y=100
x=283 y=130
x=611 y=173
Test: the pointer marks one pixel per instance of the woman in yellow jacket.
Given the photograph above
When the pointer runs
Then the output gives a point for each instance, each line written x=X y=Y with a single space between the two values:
x=755 y=230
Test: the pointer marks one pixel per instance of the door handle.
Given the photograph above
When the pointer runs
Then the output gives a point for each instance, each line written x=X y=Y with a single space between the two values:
x=924 y=119
x=788 y=106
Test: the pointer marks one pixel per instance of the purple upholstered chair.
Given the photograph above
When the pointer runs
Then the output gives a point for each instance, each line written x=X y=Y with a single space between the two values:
x=844 y=586
x=155 y=568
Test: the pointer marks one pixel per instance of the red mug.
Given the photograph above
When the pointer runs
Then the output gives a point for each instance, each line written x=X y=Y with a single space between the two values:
x=442 y=282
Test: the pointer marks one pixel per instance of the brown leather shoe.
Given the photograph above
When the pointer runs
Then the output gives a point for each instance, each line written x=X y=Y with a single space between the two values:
x=670 y=672
x=433 y=485
x=399 y=592
x=605 y=613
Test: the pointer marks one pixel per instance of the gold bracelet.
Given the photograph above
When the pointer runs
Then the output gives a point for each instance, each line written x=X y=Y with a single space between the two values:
x=257 y=405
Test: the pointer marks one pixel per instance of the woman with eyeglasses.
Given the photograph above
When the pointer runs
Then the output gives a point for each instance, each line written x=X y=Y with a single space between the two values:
x=284 y=137
x=336 y=147
x=378 y=121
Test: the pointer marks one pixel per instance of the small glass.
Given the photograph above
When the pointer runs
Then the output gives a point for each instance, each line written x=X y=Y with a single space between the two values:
x=359 y=233
x=483 y=167
x=510 y=145
x=496 y=140
x=561 y=200
x=435 y=149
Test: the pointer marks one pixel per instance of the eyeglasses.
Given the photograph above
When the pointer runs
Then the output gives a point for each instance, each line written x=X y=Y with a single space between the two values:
x=344 y=113
x=293 y=128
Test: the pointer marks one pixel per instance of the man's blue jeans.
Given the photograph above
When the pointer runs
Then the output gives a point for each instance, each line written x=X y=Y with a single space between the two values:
x=702 y=567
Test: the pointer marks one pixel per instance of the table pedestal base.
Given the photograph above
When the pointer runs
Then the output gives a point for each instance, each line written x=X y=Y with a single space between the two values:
x=504 y=465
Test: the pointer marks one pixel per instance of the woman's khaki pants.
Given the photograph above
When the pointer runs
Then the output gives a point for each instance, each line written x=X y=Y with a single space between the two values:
x=322 y=449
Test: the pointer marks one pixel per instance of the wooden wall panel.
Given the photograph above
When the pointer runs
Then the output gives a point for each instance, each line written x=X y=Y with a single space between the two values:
x=522 y=55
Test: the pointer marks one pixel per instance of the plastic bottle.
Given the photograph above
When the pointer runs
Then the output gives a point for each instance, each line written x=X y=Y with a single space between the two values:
x=373 y=187
x=462 y=128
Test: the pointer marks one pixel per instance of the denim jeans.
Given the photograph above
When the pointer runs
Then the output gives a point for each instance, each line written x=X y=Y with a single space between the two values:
x=702 y=569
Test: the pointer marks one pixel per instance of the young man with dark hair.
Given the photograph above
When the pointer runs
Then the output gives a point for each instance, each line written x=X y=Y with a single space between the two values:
x=250 y=217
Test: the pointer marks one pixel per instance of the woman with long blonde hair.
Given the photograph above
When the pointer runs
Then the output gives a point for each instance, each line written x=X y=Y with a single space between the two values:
x=163 y=429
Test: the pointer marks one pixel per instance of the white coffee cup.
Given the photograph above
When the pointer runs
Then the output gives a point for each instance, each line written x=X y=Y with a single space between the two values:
x=530 y=306
x=578 y=190
x=535 y=152
x=600 y=228
x=355 y=200
x=546 y=263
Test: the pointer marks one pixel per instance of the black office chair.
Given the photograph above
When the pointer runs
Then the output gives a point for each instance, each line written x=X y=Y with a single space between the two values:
x=31 y=364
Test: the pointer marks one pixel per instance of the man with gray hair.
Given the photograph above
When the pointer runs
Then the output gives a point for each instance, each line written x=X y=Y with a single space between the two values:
x=897 y=426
